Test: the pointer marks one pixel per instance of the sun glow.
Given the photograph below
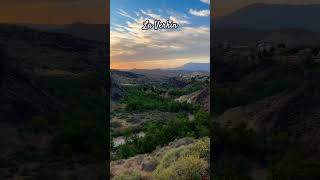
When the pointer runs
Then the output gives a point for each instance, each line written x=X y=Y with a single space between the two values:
x=155 y=64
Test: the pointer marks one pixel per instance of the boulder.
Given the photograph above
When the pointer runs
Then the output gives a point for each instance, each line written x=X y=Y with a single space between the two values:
x=148 y=165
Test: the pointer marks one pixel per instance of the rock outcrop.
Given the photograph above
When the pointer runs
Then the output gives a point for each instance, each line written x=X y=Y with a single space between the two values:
x=201 y=98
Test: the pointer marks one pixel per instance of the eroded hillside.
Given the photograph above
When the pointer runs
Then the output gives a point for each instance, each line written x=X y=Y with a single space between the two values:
x=52 y=104
x=266 y=104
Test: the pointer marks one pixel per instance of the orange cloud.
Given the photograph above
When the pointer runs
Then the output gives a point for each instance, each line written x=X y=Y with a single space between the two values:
x=131 y=47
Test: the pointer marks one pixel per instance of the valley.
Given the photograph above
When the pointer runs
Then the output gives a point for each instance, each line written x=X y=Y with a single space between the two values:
x=153 y=109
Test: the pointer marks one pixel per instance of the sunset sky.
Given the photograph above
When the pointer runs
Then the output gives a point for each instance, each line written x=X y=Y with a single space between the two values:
x=53 y=11
x=132 y=47
x=94 y=11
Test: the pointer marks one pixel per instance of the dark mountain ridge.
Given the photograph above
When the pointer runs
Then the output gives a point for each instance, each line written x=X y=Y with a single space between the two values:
x=96 y=32
x=272 y=16
x=193 y=67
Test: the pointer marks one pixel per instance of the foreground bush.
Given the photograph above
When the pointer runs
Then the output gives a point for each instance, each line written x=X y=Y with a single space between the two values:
x=188 y=167
x=128 y=175
x=186 y=162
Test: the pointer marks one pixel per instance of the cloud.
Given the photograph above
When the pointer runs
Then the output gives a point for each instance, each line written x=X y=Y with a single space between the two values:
x=201 y=13
x=137 y=13
x=152 y=15
x=130 y=44
x=125 y=14
x=205 y=1
x=179 y=20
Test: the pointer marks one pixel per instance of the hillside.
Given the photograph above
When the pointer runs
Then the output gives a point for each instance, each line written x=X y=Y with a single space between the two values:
x=51 y=86
x=271 y=17
x=243 y=37
x=145 y=166
x=200 y=97
x=265 y=108
x=96 y=32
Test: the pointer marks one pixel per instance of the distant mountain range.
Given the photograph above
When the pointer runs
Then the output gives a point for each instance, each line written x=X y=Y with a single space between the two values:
x=97 y=32
x=194 y=67
x=271 y=17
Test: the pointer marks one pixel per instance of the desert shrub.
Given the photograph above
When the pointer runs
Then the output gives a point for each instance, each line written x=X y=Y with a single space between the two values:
x=231 y=167
x=115 y=124
x=125 y=151
x=81 y=127
x=185 y=90
x=200 y=124
x=128 y=175
x=261 y=89
x=242 y=142
x=186 y=167
x=200 y=149
x=226 y=98
x=235 y=148
x=294 y=167
x=80 y=138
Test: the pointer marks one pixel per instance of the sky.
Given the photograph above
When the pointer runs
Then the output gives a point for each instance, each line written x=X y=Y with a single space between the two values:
x=53 y=11
x=132 y=47
x=94 y=11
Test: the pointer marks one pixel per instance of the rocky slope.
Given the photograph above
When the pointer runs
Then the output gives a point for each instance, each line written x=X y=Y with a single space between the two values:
x=270 y=102
x=146 y=164
x=27 y=55
x=200 y=97
x=45 y=76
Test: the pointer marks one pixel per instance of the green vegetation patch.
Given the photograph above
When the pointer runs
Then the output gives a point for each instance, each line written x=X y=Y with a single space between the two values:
x=139 y=100
x=186 y=162
x=128 y=175
x=161 y=133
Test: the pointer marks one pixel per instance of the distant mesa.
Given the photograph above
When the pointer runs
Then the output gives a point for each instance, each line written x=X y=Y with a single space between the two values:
x=194 y=67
